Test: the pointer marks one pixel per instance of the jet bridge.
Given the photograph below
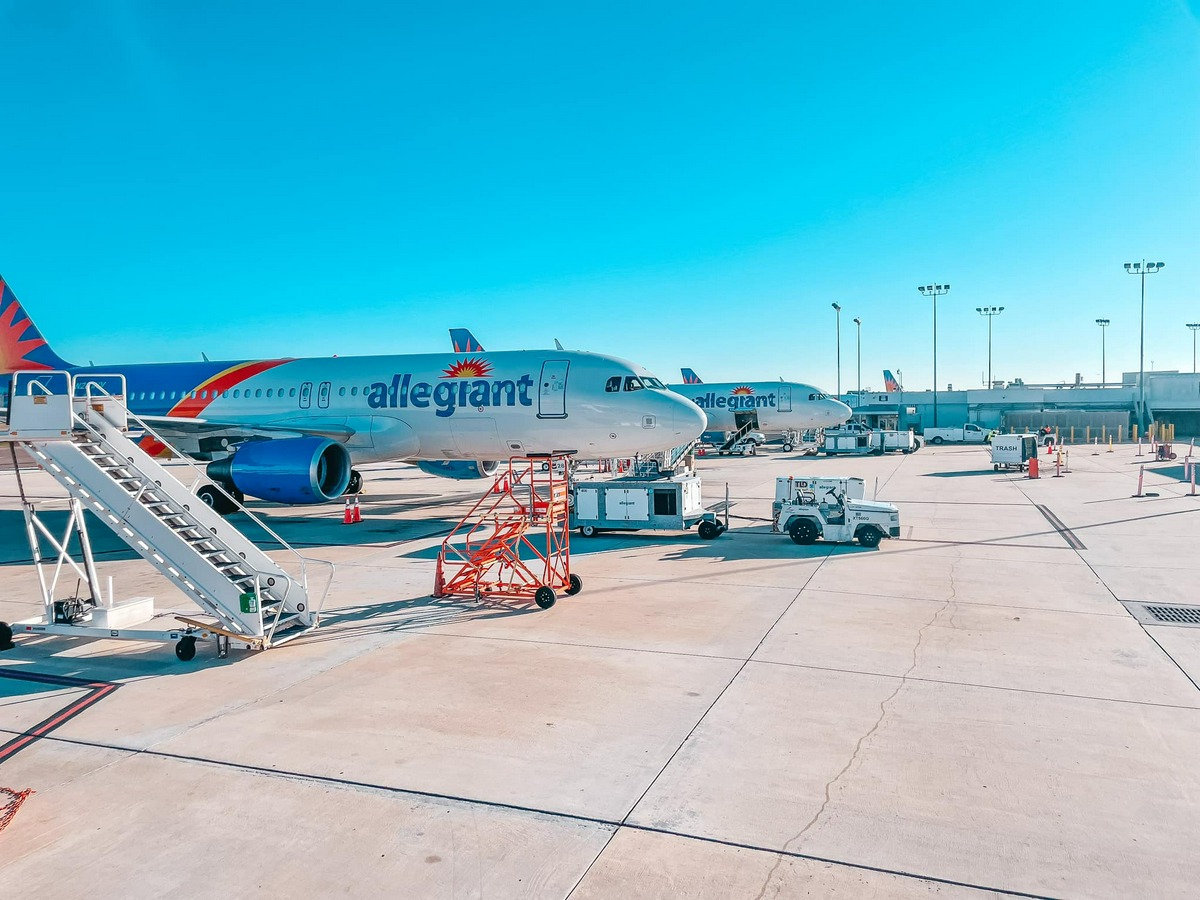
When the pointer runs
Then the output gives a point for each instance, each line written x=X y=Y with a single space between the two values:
x=78 y=432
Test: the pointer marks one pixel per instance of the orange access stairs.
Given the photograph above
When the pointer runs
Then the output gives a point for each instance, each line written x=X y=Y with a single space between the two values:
x=516 y=540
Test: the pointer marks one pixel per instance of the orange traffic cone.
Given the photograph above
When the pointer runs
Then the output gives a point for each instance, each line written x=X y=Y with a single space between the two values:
x=357 y=511
x=348 y=514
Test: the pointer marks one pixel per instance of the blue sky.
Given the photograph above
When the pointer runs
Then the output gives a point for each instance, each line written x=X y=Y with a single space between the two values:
x=680 y=184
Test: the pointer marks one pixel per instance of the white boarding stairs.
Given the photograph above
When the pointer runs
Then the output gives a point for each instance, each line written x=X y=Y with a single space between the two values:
x=663 y=463
x=81 y=443
x=734 y=438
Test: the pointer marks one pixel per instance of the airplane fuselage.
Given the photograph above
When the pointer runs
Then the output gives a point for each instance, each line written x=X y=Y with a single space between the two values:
x=426 y=406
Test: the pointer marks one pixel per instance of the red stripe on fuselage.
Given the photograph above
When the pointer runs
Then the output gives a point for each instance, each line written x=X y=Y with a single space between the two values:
x=191 y=407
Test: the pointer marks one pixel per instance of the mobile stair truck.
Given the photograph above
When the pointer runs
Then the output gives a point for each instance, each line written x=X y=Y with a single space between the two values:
x=79 y=432
x=1010 y=450
x=656 y=495
x=832 y=508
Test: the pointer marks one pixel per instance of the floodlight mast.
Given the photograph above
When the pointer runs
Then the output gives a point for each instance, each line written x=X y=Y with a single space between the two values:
x=934 y=291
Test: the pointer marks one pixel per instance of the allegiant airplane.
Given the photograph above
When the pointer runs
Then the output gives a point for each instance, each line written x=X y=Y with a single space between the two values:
x=290 y=430
x=768 y=406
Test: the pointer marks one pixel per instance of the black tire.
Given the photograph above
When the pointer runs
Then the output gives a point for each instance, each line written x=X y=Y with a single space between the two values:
x=574 y=585
x=545 y=467
x=869 y=536
x=217 y=499
x=787 y=448
x=803 y=531
x=936 y=440
x=186 y=649
x=754 y=450
x=709 y=530
x=544 y=597
x=587 y=530
x=6 y=641
x=355 y=485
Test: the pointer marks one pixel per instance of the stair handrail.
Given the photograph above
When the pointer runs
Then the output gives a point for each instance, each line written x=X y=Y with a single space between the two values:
x=102 y=393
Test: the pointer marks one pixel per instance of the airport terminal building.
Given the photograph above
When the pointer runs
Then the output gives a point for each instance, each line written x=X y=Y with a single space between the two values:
x=1093 y=410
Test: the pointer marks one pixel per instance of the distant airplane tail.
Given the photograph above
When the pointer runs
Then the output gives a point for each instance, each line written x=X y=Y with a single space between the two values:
x=464 y=342
x=21 y=344
x=889 y=381
x=690 y=377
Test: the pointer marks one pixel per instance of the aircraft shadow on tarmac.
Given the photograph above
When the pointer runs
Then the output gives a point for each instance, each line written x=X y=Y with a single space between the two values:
x=300 y=531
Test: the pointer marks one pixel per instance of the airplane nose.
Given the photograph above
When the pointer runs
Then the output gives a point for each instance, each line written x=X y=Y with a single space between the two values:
x=688 y=420
x=839 y=412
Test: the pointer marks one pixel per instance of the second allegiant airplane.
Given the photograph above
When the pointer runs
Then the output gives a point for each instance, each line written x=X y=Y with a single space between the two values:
x=290 y=429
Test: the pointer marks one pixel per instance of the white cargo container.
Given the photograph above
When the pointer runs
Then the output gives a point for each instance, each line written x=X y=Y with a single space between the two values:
x=1010 y=450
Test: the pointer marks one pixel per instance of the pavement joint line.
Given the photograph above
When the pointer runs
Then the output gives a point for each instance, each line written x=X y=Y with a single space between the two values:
x=615 y=824
x=972 y=684
x=1113 y=593
x=717 y=699
x=981 y=603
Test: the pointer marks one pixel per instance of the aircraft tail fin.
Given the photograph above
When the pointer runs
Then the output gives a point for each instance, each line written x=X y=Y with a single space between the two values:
x=690 y=377
x=463 y=341
x=889 y=381
x=21 y=344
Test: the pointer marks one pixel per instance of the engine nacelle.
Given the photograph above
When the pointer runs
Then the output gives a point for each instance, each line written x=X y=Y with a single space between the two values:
x=287 y=470
x=460 y=470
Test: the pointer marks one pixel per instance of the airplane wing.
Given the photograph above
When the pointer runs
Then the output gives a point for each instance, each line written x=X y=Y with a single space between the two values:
x=202 y=438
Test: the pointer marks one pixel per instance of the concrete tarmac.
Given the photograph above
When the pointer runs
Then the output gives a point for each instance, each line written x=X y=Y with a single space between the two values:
x=980 y=708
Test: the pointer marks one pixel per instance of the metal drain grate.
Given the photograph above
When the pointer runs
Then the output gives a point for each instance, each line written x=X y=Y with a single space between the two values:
x=1181 y=615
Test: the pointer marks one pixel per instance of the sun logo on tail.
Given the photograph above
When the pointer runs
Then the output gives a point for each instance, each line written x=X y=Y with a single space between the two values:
x=474 y=367
x=743 y=390
x=15 y=345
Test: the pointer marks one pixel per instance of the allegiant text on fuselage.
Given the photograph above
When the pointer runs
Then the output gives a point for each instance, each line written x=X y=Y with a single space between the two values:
x=737 y=401
x=446 y=396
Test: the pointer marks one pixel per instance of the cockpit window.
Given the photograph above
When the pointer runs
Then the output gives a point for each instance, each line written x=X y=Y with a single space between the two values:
x=633 y=383
x=613 y=384
x=653 y=383
x=818 y=396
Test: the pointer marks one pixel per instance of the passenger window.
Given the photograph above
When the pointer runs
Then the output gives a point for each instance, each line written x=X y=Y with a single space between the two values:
x=341 y=392
x=268 y=393
x=236 y=394
x=613 y=385
x=633 y=383
x=292 y=392
x=224 y=395
x=258 y=393
x=204 y=395
x=353 y=392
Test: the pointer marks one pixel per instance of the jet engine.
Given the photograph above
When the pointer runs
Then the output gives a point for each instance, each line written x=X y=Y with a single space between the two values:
x=460 y=470
x=286 y=470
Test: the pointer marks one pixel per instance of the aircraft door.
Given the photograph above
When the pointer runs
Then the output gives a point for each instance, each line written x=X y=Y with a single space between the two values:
x=742 y=419
x=306 y=395
x=552 y=389
x=323 y=394
x=783 y=396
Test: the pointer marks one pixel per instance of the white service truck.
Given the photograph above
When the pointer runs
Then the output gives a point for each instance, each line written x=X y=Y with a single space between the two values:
x=832 y=508
x=959 y=434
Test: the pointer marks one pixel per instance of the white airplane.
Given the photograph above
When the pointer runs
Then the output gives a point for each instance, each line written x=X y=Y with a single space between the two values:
x=766 y=406
x=291 y=430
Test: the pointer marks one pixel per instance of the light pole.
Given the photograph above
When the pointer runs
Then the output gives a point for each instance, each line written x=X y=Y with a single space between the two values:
x=837 y=312
x=934 y=291
x=1195 y=327
x=990 y=312
x=1103 y=323
x=1143 y=269
x=858 y=322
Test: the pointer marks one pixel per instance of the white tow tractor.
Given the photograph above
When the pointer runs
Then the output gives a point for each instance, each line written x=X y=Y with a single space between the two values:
x=833 y=509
